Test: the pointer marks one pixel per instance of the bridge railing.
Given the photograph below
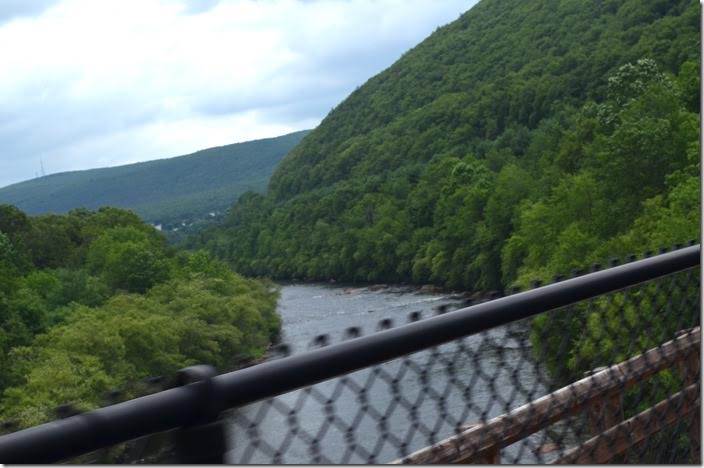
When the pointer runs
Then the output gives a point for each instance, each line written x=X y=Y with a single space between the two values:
x=436 y=382
x=601 y=397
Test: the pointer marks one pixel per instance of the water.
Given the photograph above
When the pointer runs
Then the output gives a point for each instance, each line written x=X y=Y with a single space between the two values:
x=311 y=310
x=403 y=409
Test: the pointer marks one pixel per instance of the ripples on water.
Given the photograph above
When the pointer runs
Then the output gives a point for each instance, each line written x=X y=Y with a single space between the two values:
x=457 y=384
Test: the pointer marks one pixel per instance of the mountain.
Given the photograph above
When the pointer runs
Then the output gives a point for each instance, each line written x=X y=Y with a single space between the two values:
x=166 y=191
x=522 y=140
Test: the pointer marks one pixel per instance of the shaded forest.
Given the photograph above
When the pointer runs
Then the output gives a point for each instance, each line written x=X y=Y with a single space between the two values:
x=521 y=141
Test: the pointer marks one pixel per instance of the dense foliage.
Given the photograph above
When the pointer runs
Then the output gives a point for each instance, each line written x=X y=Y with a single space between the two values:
x=179 y=193
x=95 y=301
x=524 y=139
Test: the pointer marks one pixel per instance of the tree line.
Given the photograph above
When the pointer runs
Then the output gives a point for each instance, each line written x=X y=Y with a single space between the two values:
x=522 y=141
x=607 y=179
x=95 y=301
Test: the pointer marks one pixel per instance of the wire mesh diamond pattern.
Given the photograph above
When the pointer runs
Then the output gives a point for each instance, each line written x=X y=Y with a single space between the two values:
x=611 y=379
x=443 y=403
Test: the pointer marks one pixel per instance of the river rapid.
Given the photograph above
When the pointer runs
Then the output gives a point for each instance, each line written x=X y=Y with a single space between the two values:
x=464 y=380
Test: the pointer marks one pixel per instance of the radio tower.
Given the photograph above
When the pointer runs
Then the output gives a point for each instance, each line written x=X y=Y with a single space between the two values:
x=41 y=164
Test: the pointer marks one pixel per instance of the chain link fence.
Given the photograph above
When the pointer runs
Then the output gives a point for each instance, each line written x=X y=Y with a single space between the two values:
x=611 y=378
x=442 y=405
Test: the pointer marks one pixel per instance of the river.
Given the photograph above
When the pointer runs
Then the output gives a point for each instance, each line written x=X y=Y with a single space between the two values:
x=485 y=374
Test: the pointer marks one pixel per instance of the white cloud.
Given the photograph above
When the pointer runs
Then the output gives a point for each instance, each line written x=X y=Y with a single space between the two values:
x=86 y=84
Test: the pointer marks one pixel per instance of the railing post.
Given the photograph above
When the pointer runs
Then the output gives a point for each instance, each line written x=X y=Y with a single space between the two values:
x=690 y=373
x=492 y=457
x=605 y=411
x=202 y=441
x=488 y=456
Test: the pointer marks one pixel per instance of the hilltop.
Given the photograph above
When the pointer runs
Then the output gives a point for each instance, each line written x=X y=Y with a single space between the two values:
x=522 y=140
x=169 y=191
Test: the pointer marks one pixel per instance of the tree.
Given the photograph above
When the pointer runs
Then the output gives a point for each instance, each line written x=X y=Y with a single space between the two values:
x=12 y=220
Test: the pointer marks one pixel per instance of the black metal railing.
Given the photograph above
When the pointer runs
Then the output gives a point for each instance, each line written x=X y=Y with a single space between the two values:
x=600 y=367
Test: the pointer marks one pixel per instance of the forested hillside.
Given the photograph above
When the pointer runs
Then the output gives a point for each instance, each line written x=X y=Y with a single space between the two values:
x=170 y=192
x=92 y=302
x=522 y=140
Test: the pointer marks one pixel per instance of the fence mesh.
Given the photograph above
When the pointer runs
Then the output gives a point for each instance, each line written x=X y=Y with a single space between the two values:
x=613 y=379
x=446 y=399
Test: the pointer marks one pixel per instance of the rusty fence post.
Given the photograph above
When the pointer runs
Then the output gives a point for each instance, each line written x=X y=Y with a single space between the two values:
x=690 y=372
x=605 y=412
x=488 y=456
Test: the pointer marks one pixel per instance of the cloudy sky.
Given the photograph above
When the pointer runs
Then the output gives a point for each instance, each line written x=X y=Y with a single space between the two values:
x=87 y=83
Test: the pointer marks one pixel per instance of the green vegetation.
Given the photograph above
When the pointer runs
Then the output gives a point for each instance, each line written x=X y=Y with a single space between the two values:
x=95 y=301
x=523 y=140
x=178 y=193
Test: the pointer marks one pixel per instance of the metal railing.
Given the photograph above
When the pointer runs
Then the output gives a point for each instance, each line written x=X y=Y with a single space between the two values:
x=601 y=395
x=382 y=397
